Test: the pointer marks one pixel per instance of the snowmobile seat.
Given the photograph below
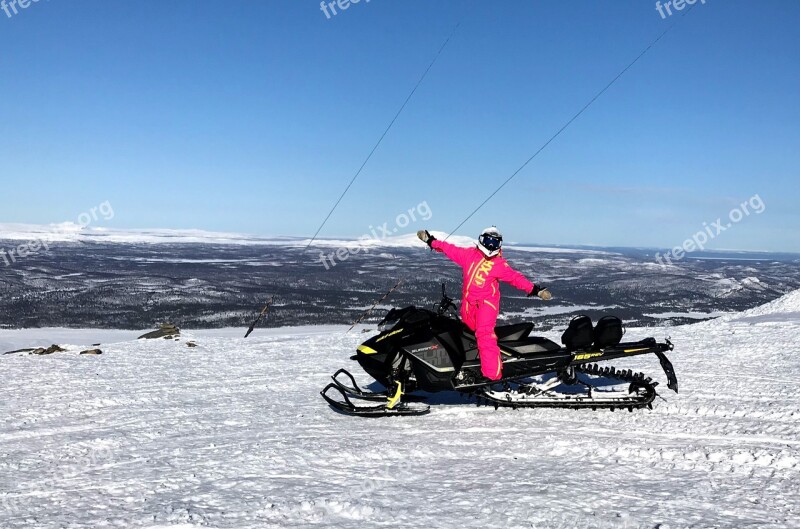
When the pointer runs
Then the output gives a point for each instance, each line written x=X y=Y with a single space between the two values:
x=608 y=332
x=505 y=333
x=535 y=345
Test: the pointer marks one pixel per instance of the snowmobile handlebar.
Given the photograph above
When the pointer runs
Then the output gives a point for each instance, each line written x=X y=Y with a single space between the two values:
x=446 y=303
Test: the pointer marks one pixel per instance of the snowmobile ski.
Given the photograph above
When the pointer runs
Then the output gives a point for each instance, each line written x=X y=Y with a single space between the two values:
x=346 y=405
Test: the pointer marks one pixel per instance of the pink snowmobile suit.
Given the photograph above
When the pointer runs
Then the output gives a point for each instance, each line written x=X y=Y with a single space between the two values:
x=480 y=303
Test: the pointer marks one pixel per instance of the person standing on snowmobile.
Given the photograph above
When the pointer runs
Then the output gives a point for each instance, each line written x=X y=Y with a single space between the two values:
x=484 y=267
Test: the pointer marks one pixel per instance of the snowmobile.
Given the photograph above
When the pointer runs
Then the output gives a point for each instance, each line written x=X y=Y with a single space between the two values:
x=420 y=350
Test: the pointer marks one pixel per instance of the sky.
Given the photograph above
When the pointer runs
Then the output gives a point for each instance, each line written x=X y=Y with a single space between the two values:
x=252 y=117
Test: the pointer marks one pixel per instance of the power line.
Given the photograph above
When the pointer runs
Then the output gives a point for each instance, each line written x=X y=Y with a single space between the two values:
x=385 y=132
x=366 y=312
x=568 y=123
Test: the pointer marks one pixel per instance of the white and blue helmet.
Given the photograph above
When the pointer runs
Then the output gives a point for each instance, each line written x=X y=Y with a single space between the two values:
x=490 y=241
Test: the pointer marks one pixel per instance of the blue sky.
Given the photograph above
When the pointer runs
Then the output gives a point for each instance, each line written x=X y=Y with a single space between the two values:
x=253 y=116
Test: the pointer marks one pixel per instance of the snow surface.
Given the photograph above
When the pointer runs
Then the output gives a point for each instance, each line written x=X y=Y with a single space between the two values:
x=233 y=434
x=13 y=339
x=554 y=309
x=691 y=315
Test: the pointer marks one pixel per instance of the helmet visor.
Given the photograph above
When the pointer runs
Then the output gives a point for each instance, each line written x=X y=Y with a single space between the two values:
x=491 y=242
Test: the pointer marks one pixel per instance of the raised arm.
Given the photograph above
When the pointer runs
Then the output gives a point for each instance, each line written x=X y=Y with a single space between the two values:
x=509 y=275
x=458 y=255
x=515 y=278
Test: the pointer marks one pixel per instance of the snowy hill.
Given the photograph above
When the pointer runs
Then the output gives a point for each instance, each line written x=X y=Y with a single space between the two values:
x=72 y=232
x=233 y=434
x=783 y=310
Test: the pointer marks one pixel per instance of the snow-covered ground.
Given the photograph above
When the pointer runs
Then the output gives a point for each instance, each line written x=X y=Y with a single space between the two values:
x=233 y=434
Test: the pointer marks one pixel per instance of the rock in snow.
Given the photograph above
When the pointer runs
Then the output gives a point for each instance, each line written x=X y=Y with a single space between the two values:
x=154 y=435
x=165 y=330
x=48 y=351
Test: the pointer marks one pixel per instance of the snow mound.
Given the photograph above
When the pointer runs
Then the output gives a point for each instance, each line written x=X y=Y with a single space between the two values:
x=728 y=286
x=785 y=309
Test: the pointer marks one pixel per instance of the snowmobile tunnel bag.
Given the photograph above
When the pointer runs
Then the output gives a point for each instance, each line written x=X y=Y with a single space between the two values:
x=579 y=334
x=608 y=332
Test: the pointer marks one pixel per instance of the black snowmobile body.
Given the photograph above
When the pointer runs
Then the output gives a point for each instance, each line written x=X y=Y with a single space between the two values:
x=442 y=353
x=429 y=351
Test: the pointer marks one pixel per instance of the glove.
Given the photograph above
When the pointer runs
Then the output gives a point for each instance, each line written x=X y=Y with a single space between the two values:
x=541 y=292
x=426 y=237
